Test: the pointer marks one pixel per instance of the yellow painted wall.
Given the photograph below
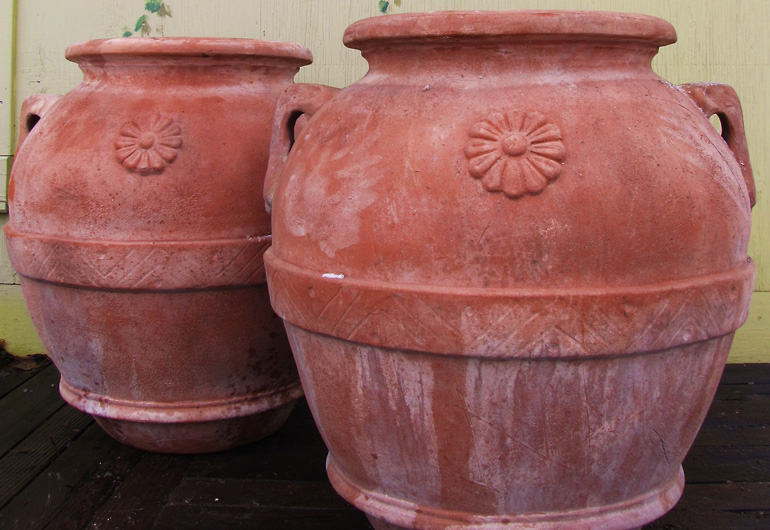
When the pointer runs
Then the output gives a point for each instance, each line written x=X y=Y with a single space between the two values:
x=723 y=41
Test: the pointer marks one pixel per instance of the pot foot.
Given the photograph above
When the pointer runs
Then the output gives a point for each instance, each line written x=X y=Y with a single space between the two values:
x=379 y=524
x=386 y=512
x=186 y=427
x=194 y=438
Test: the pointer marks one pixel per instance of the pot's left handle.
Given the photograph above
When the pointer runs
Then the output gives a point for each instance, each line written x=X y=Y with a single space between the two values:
x=295 y=101
x=722 y=100
x=34 y=108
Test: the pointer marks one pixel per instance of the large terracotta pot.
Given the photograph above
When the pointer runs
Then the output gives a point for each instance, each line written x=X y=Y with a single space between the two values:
x=510 y=261
x=138 y=230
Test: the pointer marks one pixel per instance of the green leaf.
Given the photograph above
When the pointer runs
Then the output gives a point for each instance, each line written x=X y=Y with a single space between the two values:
x=140 y=22
x=384 y=6
x=153 y=5
x=127 y=33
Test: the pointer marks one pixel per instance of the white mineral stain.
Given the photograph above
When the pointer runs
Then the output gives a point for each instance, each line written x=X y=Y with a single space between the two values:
x=329 y=208
x=293 y=222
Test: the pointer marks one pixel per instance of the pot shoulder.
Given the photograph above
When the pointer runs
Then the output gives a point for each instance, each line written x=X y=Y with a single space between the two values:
x=592 y=183
x=121 y=164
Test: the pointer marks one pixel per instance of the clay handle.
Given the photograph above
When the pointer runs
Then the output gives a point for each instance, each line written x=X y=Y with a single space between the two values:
x=34 y=108
x=297 y=100
x=722 y=100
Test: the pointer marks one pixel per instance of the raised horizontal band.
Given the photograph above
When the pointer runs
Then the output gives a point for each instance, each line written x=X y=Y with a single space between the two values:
x=512 y=323
x=178 y=412
x=139 y=265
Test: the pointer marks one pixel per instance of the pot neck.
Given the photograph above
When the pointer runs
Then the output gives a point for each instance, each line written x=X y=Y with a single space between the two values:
x=526 y=42
x=522 y=57
x=181 y=59
x=175 y=70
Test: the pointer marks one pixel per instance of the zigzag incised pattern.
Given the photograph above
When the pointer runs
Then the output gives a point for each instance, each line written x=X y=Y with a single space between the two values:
x=140 y=265
x=511 y=322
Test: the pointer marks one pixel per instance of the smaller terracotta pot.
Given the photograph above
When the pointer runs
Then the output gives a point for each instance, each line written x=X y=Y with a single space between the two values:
x=136 y=224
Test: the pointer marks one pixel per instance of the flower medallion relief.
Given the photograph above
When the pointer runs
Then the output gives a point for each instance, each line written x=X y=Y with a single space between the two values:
x=516 y=152
x=147 y=145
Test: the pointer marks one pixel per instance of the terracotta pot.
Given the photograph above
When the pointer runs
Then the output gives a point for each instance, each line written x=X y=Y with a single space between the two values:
x=510 y=261
x=138 y=230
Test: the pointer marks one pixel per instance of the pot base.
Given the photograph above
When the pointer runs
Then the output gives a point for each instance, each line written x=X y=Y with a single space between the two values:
x=387 y=513
x=187 y=427
x=196 y=438
x=379 y=524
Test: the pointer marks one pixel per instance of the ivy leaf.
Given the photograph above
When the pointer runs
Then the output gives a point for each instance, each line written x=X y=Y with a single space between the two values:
x=384 y=6
x=143 y=26
x=164 y=10
x=153 y=5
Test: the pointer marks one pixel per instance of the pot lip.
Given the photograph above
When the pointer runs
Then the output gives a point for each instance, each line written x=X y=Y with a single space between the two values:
x=438 y=26
x=193 y=47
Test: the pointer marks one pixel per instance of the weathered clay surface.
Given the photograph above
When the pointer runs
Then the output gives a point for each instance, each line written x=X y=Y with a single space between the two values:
x=510 y=260
x=137 y=228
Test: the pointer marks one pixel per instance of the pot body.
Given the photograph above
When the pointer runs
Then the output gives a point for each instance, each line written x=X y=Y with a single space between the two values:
x=137 y=230
x=510 y=260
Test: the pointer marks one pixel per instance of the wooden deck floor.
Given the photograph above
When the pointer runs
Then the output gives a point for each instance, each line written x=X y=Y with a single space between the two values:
x=58 y=470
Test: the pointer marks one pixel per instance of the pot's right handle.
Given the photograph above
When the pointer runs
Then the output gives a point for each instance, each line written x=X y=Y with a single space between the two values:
x=295 y=101
x=34 y=108
x=722 y=100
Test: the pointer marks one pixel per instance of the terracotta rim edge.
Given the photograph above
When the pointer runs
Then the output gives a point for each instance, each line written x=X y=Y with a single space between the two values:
x=200 y=47
x=440 y=25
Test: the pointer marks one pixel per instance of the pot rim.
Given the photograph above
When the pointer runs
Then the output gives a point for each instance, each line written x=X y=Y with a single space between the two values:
x=438 y=26
x=193 y=47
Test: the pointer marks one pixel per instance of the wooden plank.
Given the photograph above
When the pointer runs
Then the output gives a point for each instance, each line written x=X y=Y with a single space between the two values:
x=19 y=371
x=69 y=491
x=729 y=423
x=739 y=413
x=716 y=464
x=736 y=392
x=296 y=452
x=746 y=374
x=727 y=436
x=138 y=500
x=726 y=497
x=263 y=494
x=719 y=506
x=264 y=460
x=711 y=520
x=27 y=406
x=22 y=464
x=5 y=357
x=233 y=518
